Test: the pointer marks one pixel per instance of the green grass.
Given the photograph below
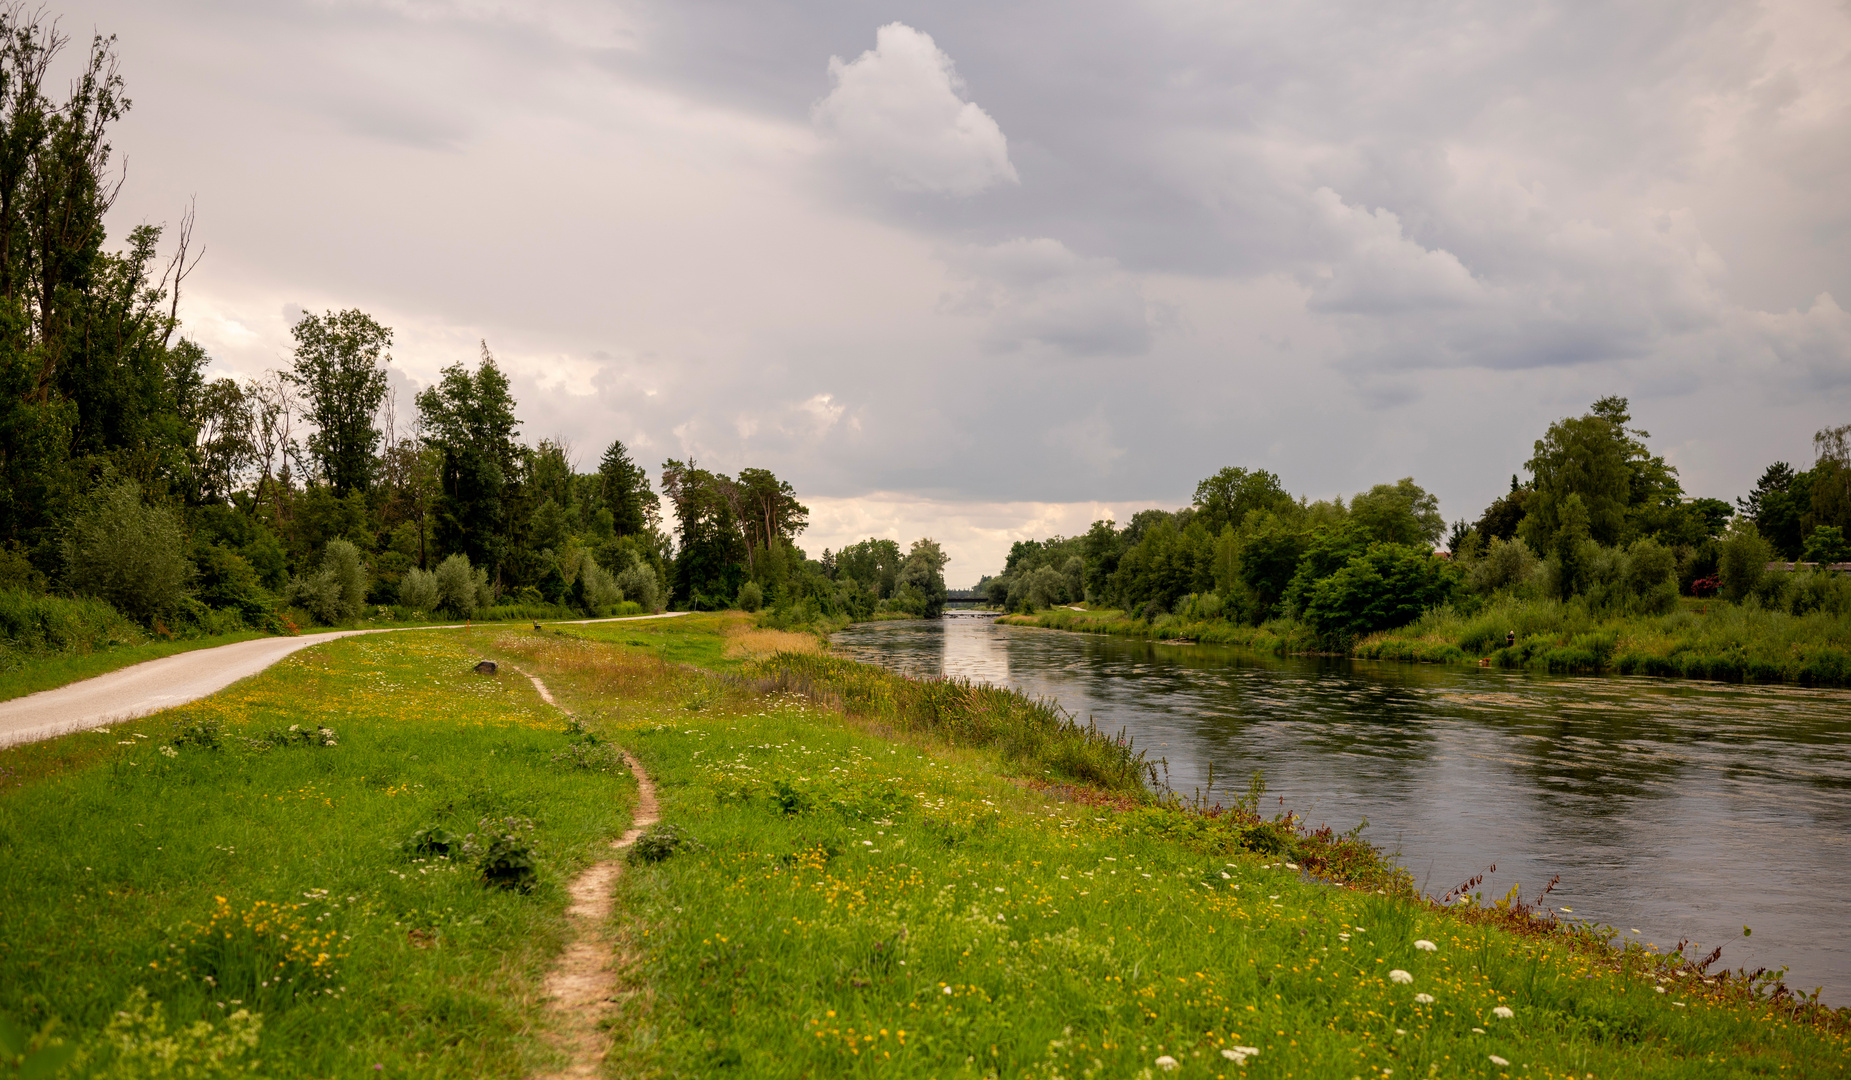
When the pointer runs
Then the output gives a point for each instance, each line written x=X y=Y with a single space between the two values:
x=866 y=898
x=113 y=857
x=880 y=880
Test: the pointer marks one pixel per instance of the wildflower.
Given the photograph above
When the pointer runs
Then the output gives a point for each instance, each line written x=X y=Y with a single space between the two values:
x=1400 y=976
x=1166 y=1063
x=1660 y=989
x=947 y=989
x=1423 y=999
x=1502 y=1013
x=1239 y=1054
x=170 y=751
x=1426 y=946
x=1498 y=1061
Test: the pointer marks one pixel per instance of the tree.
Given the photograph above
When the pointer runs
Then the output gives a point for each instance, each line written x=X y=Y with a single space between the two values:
x=624 y=486
x=1572 y=541
x=1778 y=505
x=1226 y=498
x=710 y=563
x=130 y=554
x=340 y=367
x=471 y=418
x=1399 y=513
x=1386 y=586
x=924 y=572
x=1587 y=457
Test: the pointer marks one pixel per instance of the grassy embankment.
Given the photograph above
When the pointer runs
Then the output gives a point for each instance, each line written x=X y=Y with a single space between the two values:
x=1708 y=639
x=877 y=876
x=883 y=878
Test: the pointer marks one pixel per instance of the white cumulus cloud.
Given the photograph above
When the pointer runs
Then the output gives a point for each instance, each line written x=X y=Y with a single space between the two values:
x=899 y=107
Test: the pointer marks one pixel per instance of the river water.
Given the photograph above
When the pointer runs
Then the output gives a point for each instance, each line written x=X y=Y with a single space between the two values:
x=1680 y=809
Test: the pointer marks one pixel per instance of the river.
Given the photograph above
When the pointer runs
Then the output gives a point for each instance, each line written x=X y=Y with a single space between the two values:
x=1679 y=809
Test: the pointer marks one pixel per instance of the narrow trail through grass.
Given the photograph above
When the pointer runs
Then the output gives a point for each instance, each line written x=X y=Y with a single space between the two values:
x=582 y=983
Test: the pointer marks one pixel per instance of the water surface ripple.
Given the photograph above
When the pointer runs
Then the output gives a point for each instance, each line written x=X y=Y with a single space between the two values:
x=1680 y=808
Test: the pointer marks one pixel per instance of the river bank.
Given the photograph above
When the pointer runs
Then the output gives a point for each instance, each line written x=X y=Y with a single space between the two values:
x=864 y=874
x=1708 y=639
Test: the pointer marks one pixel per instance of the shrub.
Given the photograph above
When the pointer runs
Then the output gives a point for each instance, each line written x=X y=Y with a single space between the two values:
x=751 y=597
x=1744 y=557
x=456 y=586
x=60 y=624
x=640 y=583
x=336 y=593
x=1506 y=564
x=660 y=841
x=503 y=850
x=227 y=582
x=129 y=554
x=418 y=590
x=1389 y=585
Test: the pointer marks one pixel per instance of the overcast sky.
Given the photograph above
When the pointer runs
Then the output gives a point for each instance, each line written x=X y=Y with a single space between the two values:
x=986 y=271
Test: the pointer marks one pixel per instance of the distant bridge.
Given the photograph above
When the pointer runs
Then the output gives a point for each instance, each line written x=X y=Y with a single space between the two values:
x=966 y=598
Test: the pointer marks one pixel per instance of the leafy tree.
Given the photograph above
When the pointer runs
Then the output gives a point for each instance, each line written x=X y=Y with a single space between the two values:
x=1386 y=586
x=1572 y=541
x=710 y=562
x=1586 y=457
x=1743 y=558
x=1226 y=498
x=1399 y=513
x=872 y=563
x=1827 y=544
x=128 y=553
x=1830 y=501
x=924 y=573
x=470 y=417
x=340 y=367
x=1502 y=518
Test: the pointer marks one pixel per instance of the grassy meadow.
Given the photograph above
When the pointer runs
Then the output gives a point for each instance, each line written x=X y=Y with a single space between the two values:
x=230 y=858
x=857 y=874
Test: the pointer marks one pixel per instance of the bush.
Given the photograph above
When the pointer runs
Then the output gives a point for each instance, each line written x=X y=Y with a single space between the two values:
x=1743 y=557
x=456 y=586
x=1389 y=585
x=640 y=583
x=1506 y=564
x=227 y=582
x=336 y=593
x=751 y=597
x=132 y=555
x=418 y=590
x=39 y=624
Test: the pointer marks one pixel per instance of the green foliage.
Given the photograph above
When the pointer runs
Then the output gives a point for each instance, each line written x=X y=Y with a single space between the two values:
x=128 y=553
x=459 y=587
x=227 y=582
x=1228 y=497
x=923 y=573
x=419 y=591
x=336 y=592
x=1827 y=544
x=340 y=367
x=1573 y=546
x=1505 y=565
x=1744 y=556
x=31 y=623
x=750 y=598
x=1399 y=513
x=1386 y=586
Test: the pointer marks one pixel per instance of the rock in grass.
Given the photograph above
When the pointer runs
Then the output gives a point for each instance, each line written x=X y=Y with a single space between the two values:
x=486 y=667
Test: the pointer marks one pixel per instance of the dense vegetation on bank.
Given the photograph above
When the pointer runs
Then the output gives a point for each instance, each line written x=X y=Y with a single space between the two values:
x=1598 y=563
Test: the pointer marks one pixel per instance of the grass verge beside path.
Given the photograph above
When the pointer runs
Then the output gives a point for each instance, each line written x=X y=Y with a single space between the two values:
x=846 y=890
x=261 y=866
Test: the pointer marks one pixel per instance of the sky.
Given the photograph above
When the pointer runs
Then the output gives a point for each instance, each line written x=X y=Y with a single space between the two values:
x=990 y=271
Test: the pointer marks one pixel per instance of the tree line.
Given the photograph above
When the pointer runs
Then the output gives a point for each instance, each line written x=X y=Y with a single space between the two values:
x=185 y=501
x=1601 y=520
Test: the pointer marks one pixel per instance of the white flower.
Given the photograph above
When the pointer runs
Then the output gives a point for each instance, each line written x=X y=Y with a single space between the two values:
x=1660 y=989
x=1166 y=1063
x=1423 y=999
x=1502 y=1013
x=1426 y=946
x=1291 y=866
x=170 y=751
x=1495 y=1060
x=947 y=989
x=1400 y=976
